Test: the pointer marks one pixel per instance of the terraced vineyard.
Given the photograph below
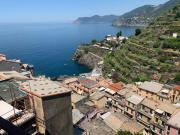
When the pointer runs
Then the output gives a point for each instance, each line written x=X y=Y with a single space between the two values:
x=154 y=51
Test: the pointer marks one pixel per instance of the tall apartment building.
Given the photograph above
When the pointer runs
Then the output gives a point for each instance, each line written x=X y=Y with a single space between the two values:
x=146 y=113
x=162 y=114
x=132 y=105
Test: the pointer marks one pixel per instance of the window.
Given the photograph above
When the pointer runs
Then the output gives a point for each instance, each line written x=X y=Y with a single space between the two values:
x=128 y=103
x=168 y=128
x=156 y=119
x=131 y=111
x=151 y=111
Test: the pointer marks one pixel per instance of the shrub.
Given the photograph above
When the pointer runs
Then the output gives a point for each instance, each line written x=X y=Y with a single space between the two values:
x=137 y=32
x=177 y=77
x=94 y=41
x=119 y=34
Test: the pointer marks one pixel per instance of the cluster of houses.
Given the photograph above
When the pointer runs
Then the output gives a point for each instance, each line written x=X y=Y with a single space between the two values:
x=86 y=104
x=147 y=107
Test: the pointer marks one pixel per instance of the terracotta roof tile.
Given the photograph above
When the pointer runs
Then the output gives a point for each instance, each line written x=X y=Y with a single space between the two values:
x=116 y=86
x=177 y=87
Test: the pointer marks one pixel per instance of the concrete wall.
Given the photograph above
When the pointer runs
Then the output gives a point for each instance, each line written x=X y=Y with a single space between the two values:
x=147 y=94
x=36 y=104
x=58 y=114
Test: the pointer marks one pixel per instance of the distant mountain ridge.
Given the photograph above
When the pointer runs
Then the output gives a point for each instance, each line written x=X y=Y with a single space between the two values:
x=145 y=14
x=140 y=16
x=97 y=19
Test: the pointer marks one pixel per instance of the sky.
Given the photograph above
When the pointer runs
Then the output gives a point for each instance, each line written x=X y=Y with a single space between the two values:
x=20 y=11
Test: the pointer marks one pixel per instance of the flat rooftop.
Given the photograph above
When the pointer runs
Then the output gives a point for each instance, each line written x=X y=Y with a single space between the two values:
x=135 y=99
x=43 y=87
x=153 y=87
x=76 y=97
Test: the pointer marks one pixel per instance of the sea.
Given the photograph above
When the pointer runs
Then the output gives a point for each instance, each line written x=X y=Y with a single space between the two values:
x=50 y=46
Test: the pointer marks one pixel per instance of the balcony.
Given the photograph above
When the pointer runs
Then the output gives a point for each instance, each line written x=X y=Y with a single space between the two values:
x=145 y=123
x=157 y=126
x=161 y=117
x=149 y=115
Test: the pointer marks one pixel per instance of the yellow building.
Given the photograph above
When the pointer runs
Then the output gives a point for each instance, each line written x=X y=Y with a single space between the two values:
x=150 y=90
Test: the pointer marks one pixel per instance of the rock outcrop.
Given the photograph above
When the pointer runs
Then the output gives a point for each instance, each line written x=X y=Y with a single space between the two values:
x=86 y=58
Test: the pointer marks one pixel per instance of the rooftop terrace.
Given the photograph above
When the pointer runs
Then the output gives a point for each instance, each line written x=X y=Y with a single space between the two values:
x=43 y=87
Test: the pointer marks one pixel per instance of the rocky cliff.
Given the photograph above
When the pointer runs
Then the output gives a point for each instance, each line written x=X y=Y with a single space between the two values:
x=86 y=58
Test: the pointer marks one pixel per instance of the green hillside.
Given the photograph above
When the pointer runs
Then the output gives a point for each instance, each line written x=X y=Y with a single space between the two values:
x=145 y=14
x=154 y=51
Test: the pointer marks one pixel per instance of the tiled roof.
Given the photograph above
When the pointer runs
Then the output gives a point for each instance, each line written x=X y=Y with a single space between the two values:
x=116 y=86
x=132 y=126
x=87 y=83
x=177 y=87
x=96 y=96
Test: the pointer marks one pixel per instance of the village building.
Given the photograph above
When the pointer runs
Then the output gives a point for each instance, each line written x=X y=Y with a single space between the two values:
x=150 y=90
x=78 y=100
x=133 y=105
x=69 y=82
x=146 y=113
x=84 y=86
x=162 y=114
x=111 y=95
x=164 y=95
x=173 y=125
x=99 y=99
x=120 y=122
x=51 y=103
x=121 y=97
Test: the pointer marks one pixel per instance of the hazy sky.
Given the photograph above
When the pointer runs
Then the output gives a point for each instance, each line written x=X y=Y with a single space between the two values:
x=64 y=10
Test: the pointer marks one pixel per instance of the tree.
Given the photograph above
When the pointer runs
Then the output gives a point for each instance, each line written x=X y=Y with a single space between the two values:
x=126 y=133
x=119 y=34
x=94 y=41
x=137 y=32
x=177 y=77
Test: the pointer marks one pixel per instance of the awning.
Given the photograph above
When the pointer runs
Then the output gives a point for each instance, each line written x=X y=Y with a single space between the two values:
x=7 y=111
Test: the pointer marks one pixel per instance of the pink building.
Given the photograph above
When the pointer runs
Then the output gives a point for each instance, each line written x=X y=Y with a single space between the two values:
x=173 y=125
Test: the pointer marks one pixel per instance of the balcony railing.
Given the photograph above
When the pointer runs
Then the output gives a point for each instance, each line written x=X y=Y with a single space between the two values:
x=149 y=115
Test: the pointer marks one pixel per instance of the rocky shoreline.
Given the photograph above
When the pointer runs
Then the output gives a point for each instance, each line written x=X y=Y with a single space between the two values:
x=86 y=58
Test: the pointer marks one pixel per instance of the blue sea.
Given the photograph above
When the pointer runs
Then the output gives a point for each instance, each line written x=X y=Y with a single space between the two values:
x=50 y=46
